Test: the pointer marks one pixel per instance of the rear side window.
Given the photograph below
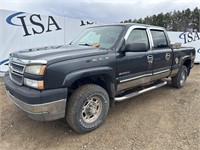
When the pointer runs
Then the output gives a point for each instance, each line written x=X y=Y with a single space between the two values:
x=159 y=39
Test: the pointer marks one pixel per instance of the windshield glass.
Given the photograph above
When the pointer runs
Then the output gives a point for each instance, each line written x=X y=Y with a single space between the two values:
x=102 y=37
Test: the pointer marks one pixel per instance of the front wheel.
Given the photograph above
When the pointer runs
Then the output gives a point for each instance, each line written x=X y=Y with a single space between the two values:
x=87 y=108
x=179 y=80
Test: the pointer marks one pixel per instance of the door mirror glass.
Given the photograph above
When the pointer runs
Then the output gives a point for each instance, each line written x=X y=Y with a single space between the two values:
x=136 y=47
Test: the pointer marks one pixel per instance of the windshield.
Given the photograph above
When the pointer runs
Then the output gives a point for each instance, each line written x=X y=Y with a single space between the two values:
x=103 y=37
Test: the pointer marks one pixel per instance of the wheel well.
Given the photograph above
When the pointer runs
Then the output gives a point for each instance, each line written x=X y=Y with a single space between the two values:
x=187 y=63
x=102 y=80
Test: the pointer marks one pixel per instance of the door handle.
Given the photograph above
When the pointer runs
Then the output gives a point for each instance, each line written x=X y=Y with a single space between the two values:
x=150 y=59
x=167 y=56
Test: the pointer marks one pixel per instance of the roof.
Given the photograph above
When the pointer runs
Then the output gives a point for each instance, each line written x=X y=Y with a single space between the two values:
x=132 y=24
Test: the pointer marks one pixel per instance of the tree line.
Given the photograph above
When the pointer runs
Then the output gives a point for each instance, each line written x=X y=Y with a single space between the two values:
x=185 y=20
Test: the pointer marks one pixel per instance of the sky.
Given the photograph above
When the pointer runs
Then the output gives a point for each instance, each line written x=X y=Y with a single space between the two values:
x=102 y=11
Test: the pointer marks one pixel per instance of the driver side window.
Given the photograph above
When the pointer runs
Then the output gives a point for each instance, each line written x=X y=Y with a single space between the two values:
x=138 y=36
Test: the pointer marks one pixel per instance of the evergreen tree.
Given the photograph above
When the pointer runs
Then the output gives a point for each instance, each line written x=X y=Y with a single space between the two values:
x=186 y=20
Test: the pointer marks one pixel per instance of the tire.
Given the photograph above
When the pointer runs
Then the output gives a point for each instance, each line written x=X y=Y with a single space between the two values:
x=87 y=108
x=179 y=80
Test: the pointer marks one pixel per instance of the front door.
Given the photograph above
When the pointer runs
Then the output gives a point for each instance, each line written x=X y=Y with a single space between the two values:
x=134 y=68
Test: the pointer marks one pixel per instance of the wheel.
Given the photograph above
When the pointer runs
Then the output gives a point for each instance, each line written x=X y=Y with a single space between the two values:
x=179 y=80
x=87 y=108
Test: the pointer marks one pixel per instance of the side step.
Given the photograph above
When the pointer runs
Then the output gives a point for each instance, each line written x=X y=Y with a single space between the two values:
x=125 y=97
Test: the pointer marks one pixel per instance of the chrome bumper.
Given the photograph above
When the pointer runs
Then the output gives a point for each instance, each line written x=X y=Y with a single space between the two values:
x=41 y=112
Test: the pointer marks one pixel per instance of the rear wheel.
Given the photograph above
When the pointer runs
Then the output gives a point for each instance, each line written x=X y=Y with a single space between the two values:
x=87 y=108
x=179 y=80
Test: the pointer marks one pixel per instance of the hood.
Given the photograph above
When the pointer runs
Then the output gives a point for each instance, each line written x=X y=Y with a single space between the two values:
x=59 y=53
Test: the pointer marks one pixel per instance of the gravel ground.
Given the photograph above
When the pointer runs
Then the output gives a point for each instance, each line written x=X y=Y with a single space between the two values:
x=163 y=119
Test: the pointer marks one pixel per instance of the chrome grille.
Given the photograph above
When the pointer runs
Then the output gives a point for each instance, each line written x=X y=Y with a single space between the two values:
x=17 y=72
x=17 y=67
x=16 y=78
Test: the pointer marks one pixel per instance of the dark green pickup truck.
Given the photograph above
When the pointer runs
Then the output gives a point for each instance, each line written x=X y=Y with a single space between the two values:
x=104 y=64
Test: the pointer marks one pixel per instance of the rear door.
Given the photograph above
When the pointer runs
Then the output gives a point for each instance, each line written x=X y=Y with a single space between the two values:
x=162 y=54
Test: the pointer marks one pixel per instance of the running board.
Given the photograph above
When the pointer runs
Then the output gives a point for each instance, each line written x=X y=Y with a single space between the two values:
x=125 y=97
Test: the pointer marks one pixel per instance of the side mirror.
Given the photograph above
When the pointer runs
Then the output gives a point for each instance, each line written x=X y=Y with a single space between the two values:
x=175 y=45
x=136 y=47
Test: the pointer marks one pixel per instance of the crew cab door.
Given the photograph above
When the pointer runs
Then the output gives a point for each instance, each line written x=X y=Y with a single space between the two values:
x=134 y=67
x=162 y=54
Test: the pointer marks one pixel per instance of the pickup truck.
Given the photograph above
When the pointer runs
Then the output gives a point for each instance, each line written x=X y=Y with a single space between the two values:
x=104 y=64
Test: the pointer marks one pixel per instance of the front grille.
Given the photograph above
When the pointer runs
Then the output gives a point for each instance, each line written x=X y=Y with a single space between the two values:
x=17 y=78
x=17 y=67
x=17 y=72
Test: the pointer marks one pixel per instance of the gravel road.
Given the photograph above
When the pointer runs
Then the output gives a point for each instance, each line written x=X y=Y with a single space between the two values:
x=163 y=119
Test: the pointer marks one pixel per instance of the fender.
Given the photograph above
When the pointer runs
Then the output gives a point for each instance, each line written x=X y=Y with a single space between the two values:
x=183 y=59
x=186 y=58
x=73 y=76
x=188 y=62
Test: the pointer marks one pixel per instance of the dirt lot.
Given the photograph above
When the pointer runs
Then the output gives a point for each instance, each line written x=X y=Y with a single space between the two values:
x=166 y=118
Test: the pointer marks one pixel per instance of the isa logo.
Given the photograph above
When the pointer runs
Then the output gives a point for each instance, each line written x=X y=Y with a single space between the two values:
x=198 y=51
x=189 y=37
x=33 y=24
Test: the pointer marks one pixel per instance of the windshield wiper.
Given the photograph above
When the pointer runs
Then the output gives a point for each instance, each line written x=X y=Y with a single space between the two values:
x=84 y=44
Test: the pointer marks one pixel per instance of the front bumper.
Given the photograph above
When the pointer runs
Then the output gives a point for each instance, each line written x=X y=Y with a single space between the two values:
x=43 y=105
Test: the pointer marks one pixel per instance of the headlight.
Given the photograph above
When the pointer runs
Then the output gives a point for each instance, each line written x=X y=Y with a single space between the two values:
x=35 y=69
x=34 y=83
